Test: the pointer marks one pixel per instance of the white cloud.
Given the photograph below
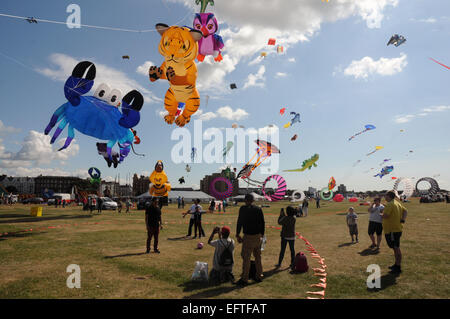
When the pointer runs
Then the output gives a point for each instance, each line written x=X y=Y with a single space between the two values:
x=367 y=66
x=143 y=69
x=114 y=78
x=264 y=131
x=227 y=112
x=280 y=75
x=425 y=20
x=292 y=60
x=36 y=150
x=256 y=79
x=424 y=112
x=4 y=130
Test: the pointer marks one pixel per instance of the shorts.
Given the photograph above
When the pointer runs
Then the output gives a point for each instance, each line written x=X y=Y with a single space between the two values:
x=353 y=229
x=375 y=227
x=393 y=239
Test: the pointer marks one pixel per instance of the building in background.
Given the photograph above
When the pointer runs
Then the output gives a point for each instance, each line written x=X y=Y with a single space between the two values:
x=57 y=184
x=140 y=184
x=342 y=190
x=124 y=191
x=18 y=185
x=220 y=186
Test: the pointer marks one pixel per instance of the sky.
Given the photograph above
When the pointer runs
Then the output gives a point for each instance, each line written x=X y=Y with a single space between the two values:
x=336 y=71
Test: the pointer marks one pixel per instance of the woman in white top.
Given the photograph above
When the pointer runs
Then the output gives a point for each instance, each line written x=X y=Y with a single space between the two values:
x=375 y=222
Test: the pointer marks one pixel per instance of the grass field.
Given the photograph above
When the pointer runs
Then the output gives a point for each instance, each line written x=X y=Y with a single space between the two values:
x=109 y=248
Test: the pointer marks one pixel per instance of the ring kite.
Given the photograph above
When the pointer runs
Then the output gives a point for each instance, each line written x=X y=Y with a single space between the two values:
x=295 y=198
x=279 y=193
x=434 y=186
x=220 y=195
x=408 y=185
x=95 y=176
x=326 y=190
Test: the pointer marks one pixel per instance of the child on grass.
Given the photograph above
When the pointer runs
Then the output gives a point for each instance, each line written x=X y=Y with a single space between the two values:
x=352 y=223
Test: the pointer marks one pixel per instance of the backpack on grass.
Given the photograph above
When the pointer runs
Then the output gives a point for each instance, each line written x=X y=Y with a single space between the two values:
x=300 y=263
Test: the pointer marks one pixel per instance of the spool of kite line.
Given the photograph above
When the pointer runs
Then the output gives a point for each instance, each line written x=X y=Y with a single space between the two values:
x=220 y=195
x=326 y=190
x=281 y=189
x=408 y=185
x=434 y=186
x=295 y=198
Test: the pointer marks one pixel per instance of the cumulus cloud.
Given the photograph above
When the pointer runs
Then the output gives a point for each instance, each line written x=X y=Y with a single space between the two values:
x=400 y=119
x=256 y=79
x=4 y=130
x=114 y=78
x=280 y=75
x=228 y=113
x=362 y=69
x=143 y=68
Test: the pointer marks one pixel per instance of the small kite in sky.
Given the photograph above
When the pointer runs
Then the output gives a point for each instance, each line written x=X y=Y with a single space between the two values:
x=188 y=168
x=280 y=49
x=385 y=171
x=397 y=40
x=293 y=138
x=367 y=127
x=307 y=164
x=440 y=63
x=271 y=41
x=356 y=163
x=282 y=111
x=193 y=153
x=227 y=148
x=181 y=180
x=385 y=161
x=125 y=57
x=377 y=148
x=263 y=54
x=294 y=120
x=31 y=20
x=331 y=183
x=233 y=86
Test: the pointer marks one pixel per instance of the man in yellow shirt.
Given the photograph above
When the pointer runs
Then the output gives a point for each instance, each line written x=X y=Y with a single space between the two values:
x=394 y=215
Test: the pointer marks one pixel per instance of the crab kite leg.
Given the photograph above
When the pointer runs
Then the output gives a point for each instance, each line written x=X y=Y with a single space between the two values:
x=55 y=119
x=70 y=136
x=59 y=129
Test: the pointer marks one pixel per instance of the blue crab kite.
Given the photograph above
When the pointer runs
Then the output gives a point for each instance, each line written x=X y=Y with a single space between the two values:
x=98 y=115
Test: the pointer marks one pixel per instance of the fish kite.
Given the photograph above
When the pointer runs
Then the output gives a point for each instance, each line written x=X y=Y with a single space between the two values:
x=385 y=171
x=294 y=120
x=307 y=164
x=377 y=148
x=368 y=127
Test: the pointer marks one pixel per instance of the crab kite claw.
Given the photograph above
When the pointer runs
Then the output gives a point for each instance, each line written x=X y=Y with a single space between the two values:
x=131 y=105
x=76 y=85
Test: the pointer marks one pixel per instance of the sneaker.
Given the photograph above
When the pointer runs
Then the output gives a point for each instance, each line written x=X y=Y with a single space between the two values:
x=241 y=282
x=372 y=246
x=157 y=251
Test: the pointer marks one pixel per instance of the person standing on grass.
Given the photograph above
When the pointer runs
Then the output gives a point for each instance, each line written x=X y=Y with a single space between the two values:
x=93 y=204
x=212 y=206
x=394 y=216
x=251 y=221
x=154 y=224
x=119 y=206
x=375 y=222
x=182 y=202
x=318 y=202
x=99 y=205
x=352 y=223
x=305 y=207
x=179 y=201
x=128 y=205
x=287 y=233
x=194 y=208
x=223 y=261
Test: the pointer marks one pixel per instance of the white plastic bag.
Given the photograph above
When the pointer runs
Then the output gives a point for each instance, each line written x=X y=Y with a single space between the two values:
x=200 y=272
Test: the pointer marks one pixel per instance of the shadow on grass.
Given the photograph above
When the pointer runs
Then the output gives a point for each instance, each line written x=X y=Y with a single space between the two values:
x=125 y=255
x=219 y=290
x=180 y=238
x=30 y=219
x=342 y=214
x=386 y=281
x=369 y=252
x=13 y=215
x=21 y=235
x=345 y=245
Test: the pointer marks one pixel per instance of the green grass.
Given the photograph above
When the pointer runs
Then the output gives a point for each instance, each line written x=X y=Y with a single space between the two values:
x=109 y=249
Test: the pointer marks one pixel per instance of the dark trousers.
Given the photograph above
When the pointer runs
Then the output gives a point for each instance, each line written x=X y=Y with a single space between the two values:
x=198 y=225
x=317 y=204
x=152 y=232
x=191 y=223
x=283 y=249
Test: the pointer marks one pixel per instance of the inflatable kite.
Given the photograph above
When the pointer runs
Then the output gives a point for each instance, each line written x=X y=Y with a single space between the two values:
x=188 y=168
x=98 y=115
x=295 y=119
x=224 y=194
x=159 y=183
x=324 y=191
x=385 y=171
x=204 y=4
x=95 y=175
x=227 y=148
x=408 y=186
x=179 y=48
x=396 y=40
x=298 y=196
x=331 y=183
x=353 y=200
x=338 y=198
x=281 y=189
x=434 y=186
x=211 y=43
x=307 y=164
x=368 y=127
x=265 y=149
x=377 y=148
x=181 y=180
x=440 y=63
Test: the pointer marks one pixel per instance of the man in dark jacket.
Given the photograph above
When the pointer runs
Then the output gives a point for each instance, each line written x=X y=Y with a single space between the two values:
x=251 y=220
x=154 y=223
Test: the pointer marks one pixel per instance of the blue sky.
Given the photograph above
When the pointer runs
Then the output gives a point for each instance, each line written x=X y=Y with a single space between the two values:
x=343 y=77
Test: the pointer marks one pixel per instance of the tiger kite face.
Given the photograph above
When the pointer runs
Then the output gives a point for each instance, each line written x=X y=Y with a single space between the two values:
x=178 y=44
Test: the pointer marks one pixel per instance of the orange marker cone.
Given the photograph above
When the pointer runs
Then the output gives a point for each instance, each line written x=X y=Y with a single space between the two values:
x=324 y=286
x=320 y=293
x=321 y=274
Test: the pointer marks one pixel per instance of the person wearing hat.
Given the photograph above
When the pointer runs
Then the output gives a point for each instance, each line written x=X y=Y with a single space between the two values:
x=251 y=221
x=222 y=270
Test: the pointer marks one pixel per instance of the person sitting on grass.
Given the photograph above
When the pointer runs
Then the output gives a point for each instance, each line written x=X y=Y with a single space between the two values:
x=394 y=216
x=352 y=223
x=223 y=260
x=287 y=233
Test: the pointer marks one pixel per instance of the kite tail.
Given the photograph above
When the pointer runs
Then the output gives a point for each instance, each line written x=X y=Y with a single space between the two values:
x=132 y=147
